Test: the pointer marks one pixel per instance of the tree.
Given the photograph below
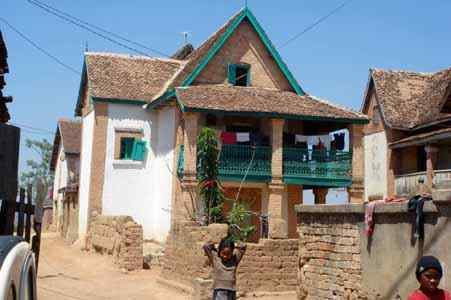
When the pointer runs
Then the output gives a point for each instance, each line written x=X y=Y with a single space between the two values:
x=210 y=189
x=38 y=170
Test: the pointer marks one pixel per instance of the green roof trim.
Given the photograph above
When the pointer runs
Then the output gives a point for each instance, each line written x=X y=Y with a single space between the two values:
x=324 y=182
x=246 y=13
x=118 y=101
x=162 y=99
x=273 y=115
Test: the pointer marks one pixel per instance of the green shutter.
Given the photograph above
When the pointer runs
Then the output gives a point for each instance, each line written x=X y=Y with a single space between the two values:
x=232 y=74
x=139 y=150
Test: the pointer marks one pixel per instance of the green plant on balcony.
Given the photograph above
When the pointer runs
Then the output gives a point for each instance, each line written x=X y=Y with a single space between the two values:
x=210 y=189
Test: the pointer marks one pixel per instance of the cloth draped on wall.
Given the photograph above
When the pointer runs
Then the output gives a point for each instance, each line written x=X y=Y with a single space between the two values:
x=370 y=208
x=416 y=204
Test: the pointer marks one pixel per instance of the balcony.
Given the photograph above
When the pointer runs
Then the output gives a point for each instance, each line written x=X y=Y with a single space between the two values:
x=406 y=184
x=239 y=161
x=300 y=166
x=317 y=167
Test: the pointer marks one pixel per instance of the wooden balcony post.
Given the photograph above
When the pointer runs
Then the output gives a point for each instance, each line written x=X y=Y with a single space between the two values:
x=278 y=223
x=356 y=146
x=431 y=163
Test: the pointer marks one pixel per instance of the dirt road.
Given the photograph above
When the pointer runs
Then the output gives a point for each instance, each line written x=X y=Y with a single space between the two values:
x=66 y=273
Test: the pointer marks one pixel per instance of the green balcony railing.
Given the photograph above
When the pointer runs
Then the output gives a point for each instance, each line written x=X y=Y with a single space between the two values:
x=235 y=161
x=181 y=161
x=317 y=167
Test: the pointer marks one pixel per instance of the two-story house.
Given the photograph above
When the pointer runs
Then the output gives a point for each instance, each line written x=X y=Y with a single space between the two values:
x=141 y=118
x=408 y=137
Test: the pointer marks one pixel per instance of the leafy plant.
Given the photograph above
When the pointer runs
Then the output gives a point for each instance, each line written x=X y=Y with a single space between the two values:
x=239 y=220
x=210 y=189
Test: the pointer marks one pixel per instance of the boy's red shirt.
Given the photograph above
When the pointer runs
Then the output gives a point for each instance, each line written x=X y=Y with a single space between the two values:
x=441 y=295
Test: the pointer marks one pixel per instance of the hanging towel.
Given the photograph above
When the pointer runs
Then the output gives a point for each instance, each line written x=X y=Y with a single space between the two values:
x=243 y=137
x=339 y=141
x=325 y=139
x=312 y=140
x=299 y=138
x=228 y=138
x=369 y=216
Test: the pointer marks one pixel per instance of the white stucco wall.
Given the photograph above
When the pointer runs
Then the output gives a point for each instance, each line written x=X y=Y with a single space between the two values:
x=85 y=171
x=375 y=164
x=142 y=190
x=60 y=181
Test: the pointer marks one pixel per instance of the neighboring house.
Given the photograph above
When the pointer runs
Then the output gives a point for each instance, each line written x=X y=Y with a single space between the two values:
x=65 y=164
x=141 y=160
x=408 y=137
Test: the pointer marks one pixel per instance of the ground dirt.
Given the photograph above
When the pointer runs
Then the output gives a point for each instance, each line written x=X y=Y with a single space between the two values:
x=66 y=272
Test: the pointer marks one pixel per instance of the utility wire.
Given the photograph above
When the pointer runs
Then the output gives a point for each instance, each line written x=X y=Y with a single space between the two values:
x=87 y=28
x=39 y=47
x=32 y=128
x=319 y=21
x=41 y=4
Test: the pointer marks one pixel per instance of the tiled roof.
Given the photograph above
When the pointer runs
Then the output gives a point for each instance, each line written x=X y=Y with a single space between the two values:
x=423 y=138
x=118 y=76
x=260 y=100
x=196 y=56
x=410 y=99
x=70 y=131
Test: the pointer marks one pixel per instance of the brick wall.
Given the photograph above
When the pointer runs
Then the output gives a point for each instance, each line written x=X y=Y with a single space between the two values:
x=329 y=257
x=120 y=237
x=269 y=266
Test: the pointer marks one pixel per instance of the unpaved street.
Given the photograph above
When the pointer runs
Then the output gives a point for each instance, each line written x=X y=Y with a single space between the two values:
x=68 y=273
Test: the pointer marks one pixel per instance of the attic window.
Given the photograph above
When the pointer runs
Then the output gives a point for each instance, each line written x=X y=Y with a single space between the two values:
x=239 y=74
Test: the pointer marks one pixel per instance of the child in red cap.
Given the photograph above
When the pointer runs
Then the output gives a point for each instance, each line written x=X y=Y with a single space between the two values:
x=429 y=272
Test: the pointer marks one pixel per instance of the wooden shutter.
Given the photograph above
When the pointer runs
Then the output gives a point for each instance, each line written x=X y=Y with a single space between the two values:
x=232 y=74
x=126 y=148
x=139 y=150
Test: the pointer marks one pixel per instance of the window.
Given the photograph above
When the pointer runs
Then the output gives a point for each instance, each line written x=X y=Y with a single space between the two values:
x=239 y=74
x=130 y=146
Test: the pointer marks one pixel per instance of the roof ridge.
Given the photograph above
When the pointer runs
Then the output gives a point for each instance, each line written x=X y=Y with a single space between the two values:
x=409 y=72
x=131 y=56
x=71 y=120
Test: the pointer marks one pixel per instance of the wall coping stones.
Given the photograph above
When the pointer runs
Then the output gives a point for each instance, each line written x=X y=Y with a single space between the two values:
x=389 y=208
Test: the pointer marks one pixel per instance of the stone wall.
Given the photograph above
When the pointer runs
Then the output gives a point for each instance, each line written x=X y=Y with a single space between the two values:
x=329 y=257
x=267 y=267
x=338 y=261
x=120 y=237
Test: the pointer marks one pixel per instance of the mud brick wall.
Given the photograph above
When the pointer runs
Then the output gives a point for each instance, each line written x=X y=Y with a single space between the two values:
x=329 y=257
x=120 y=237
x=269 y=266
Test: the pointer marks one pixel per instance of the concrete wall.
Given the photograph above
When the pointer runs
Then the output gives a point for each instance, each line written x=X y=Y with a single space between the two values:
x=375 y=168
x=141 y=190
x=85 y=171
x=388 y=259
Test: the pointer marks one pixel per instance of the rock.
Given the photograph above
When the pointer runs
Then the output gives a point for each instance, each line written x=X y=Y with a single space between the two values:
x=217 y=231
x=152 y=252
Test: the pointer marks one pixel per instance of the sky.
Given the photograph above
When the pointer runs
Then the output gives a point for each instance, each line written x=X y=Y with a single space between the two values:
x=331 y=61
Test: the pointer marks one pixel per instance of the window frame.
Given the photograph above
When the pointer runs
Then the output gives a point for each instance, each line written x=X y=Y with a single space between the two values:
x=232 y=73
x=137 y=138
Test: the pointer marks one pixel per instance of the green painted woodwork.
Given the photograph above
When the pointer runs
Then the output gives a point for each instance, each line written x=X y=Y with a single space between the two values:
x=118 y=101
x=139 y=150
x=235 y=161
x=232 y=74
x=317 y=167
x=273 y=115
x=181 y=161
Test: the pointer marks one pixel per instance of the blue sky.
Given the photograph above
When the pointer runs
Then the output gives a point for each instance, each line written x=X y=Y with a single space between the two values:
x=331 y=61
